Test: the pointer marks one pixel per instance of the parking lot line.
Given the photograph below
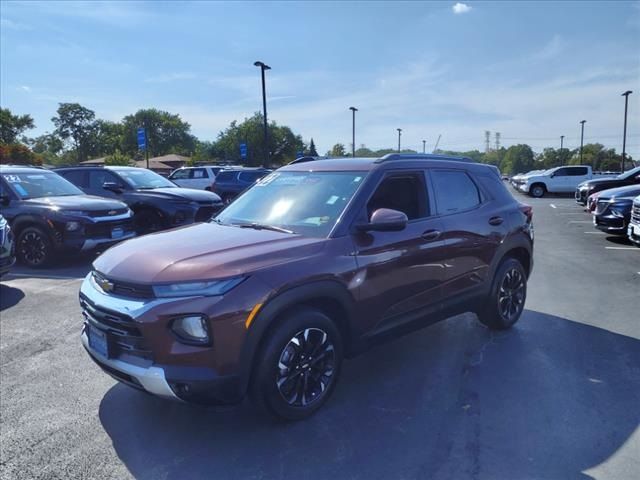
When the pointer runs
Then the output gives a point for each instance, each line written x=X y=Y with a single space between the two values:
x=553 y=206
x=572 y=213
x=580 y=221
x=596 y=233
x=623 y=248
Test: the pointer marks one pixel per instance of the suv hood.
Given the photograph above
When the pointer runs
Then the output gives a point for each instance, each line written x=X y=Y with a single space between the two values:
x=186 y=194
x=87 y=203
x=620 y=193
x=601 y=182
x=204 y=251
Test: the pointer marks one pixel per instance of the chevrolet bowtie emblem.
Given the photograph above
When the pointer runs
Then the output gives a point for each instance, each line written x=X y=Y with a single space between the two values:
x=112 y=212
x=105 y=285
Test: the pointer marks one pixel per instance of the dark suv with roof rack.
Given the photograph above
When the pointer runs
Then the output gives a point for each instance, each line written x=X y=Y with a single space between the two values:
x=314 y=263
x=157 y=203
x=48 y=214
x=231 y=182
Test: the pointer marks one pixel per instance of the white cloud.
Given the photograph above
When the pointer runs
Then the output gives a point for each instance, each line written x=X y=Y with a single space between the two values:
x=552 y=49
x=460 y=8
x=25 y=88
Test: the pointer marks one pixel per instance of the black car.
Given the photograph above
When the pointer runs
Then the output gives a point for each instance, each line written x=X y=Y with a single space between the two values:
x=632 y=177
x=157 y=203
x=613 y=209
x=7 y=247
x=633 y=231
x=232 y=182
x=49 y=214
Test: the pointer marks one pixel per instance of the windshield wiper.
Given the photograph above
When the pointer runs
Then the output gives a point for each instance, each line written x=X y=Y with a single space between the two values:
x=262 y=226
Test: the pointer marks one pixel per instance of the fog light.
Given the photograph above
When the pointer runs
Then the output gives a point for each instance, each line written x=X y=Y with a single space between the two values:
x=192 y=329
x=72 y=226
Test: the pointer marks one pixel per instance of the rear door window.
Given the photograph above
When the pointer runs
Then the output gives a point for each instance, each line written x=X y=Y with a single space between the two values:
x=251 y=177
x=199 y=173
x=577 y=171
x=226 y=176
x=454 y=191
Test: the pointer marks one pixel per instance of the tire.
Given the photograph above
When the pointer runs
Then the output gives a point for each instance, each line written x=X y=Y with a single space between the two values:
x=34 y=247
x=507 y=297
x=294 y=377
x=537 y=190
x=148 y=221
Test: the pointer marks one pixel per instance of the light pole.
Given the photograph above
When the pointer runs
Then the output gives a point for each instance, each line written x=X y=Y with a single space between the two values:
x=582 y=122
x=561 y=145
x=624 y=136
x=353 y=131
x=424 y=146
x=264 y=67
x=399 y=135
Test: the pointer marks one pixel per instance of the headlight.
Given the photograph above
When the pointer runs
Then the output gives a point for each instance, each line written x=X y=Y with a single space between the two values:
x=619 y=210
x=205 y=289
x=72 y=226
x=191 y=329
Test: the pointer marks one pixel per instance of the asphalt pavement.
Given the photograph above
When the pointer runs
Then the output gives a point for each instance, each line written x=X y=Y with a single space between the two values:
x=556 y=397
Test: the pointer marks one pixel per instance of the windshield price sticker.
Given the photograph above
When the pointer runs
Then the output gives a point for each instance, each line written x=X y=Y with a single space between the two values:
x=12 y=178
x=264 y=181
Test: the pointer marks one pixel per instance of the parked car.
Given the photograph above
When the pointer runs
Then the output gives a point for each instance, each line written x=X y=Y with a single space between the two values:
x=592 y=200
x=315 y=262
x=633 y=231
x=517 y=178
x=613 y=209
x=555 y=180
x=199 y=178
x=157 y=203
x=632 y=177
x=7 y=247
x=48 y=215
x=232 y=182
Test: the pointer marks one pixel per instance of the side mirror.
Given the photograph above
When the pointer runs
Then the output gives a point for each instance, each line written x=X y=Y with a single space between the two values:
x=112 y=187
x=5 y=199
x=385 y=220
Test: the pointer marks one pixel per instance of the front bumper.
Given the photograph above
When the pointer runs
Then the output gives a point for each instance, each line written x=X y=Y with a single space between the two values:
x=633 y=233
x=610 y=224
x=581 y=196
x=133 y=328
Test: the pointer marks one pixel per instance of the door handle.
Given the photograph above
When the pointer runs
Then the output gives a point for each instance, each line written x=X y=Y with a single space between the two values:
x=431 y=235
x=496 y=220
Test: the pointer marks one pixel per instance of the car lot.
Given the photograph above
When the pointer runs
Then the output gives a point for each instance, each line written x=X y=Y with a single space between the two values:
x=555 y=397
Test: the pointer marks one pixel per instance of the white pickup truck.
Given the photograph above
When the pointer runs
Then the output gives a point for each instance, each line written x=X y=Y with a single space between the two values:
x=555 y=180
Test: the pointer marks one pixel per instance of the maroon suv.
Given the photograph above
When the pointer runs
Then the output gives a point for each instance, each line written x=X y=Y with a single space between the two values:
x=314 y=263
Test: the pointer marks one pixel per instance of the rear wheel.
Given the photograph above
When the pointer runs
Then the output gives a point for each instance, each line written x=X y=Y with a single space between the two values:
x=34 y=247
x=508 y=294
x=298 y=366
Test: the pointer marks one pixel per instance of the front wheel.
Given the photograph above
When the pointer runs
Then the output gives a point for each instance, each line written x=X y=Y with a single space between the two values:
x=537 y=191
x=508 y=294
x=34 y=247
x=298 y=367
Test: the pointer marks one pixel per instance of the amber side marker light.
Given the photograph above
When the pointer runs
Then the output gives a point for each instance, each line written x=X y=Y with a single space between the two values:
x=252 y=315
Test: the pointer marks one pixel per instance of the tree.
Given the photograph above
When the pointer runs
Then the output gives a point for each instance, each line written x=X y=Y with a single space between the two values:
x=518 y=158
x=49 y=146
x=166 y=133
x=283 y=143
x=18 y=154
x=76 y=123
x=117 y=158
x=312 y=152
x=109 y=137
x=337 y=150
x=11 y=126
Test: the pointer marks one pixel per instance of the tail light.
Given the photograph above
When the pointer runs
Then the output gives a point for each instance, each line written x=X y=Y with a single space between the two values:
x=527 y=210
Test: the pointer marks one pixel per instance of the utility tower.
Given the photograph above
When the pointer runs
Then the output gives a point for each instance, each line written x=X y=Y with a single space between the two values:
x=487 y=140
x=497 y=140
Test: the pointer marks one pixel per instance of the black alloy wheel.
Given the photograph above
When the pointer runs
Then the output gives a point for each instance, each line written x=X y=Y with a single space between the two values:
x=511 y=295
x=306 y=367
x=33 y=247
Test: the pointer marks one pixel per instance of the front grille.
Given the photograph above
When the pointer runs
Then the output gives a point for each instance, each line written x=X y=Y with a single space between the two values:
x=126 y=289
x=635 y=213
x=103 y=229
x=123 y=335
x=108 y=213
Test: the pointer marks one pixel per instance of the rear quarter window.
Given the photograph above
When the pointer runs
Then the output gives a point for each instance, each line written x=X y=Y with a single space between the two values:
x=226 y=176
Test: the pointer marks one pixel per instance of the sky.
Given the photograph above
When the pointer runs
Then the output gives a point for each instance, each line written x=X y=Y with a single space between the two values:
x=529 y=70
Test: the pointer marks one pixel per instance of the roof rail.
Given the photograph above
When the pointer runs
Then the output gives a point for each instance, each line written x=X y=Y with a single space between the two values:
x=22 y=166
x=421 y=156
x=306 y=158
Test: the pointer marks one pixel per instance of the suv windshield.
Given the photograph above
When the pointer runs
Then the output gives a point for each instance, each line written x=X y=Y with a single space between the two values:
x=144 y=179
x=629 y=174
x=40 y=184
x=308 y=203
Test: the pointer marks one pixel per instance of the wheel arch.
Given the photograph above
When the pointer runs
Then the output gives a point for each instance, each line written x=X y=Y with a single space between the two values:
x=328 y=296
x=534 y=184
